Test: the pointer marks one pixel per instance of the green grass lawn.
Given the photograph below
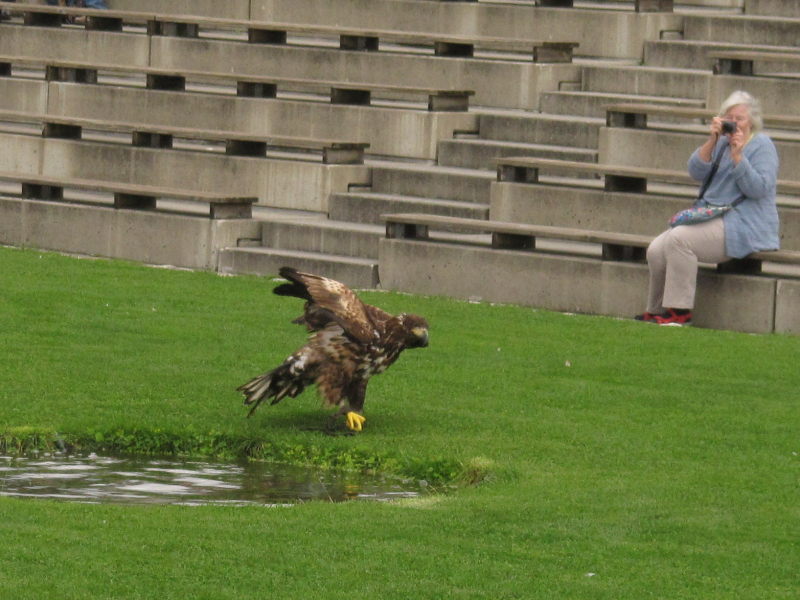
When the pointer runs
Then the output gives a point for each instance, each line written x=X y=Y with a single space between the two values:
x=618 y=460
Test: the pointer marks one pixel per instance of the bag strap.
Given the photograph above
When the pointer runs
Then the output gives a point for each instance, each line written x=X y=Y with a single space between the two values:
x=710 y=175
x=739 y=200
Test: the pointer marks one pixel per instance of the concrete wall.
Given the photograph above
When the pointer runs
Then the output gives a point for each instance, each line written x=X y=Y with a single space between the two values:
x=787 y=302
x=563 y=283
x=528 y=279
x=149 y=237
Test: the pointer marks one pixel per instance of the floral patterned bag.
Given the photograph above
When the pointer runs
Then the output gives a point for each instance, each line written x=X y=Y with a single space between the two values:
x=699 y=214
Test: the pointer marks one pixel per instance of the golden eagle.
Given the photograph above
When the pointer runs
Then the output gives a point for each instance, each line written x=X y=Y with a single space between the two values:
x=350 y=342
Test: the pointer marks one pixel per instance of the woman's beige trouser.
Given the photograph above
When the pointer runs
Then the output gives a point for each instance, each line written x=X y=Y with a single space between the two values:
x=673 y=257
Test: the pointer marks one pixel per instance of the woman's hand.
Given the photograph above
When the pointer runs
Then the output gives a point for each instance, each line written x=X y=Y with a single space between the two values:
x=714 y=131
x=737 y=143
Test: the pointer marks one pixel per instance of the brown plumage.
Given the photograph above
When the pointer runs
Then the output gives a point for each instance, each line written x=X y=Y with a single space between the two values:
x=349 y=342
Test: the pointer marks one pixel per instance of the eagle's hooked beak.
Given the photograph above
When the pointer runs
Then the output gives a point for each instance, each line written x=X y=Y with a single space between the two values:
x=421 y=335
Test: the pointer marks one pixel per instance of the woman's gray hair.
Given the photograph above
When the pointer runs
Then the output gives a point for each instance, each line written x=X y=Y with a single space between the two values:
x=753 y=107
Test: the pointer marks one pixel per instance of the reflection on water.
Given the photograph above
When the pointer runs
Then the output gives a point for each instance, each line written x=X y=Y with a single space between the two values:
x=190 y=482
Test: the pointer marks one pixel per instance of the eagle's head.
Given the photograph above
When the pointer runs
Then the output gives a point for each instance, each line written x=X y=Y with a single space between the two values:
x=416 y=329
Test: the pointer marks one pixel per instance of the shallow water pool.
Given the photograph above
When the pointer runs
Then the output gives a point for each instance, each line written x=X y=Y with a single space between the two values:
x=138 y=480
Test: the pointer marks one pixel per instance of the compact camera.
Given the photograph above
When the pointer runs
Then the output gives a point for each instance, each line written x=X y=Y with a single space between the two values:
x=728 y=127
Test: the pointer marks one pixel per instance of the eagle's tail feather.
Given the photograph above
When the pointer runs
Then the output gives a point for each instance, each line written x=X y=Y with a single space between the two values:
x=275 y=384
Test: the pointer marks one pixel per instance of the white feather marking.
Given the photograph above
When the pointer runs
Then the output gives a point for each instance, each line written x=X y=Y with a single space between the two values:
x=298 y=365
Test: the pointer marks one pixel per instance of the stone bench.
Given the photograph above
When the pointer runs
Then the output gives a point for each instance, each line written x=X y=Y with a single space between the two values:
x=635 y=115
x=515 y=236
x=616 y=246
x=154 y=136
x=340 y=92
x=743 y=62
x=510 y=269
x=616 y=178
x=130 y=196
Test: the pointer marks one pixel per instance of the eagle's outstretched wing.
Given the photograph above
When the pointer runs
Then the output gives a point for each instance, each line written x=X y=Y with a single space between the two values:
x=328 y=299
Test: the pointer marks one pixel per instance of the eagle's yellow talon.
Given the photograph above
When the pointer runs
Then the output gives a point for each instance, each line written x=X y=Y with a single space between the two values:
x=354 y=421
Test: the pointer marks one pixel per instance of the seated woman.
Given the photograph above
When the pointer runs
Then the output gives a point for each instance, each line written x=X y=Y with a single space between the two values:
x=747 y=174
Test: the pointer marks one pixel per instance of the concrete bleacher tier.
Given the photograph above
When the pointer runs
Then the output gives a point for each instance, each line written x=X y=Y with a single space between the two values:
x=122 y=220
x=278 y=182
x=245 y=97
x=625 y=29
x=622 y=37
x=631 y=199
x=664 y=136
x=509 y=269
x=772 y=76
x=400 y=131
x=513 y=80
x=345 y=241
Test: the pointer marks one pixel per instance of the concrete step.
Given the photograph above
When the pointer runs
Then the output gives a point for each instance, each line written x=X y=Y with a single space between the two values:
x=432 y=181
x=591 y=104
x=649 y=81
x=559 y=130
x=354 y=272
x=324 y=236
x=745 y=29
x=480 y=154
x=367 y=207
x=693 y=54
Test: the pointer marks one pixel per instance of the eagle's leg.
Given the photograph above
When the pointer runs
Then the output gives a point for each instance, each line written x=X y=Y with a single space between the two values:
x=350 y=407
x=332 y=426
x=356 y=393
